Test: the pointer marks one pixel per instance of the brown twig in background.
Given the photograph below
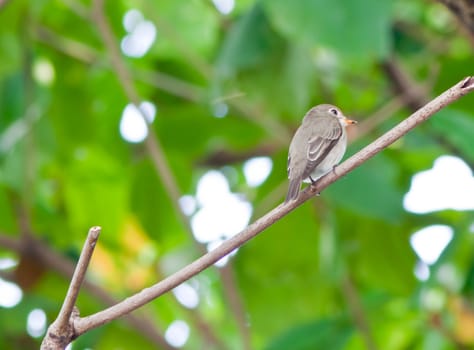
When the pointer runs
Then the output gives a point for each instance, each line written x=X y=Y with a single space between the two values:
x=464 y=12
x=10 y=243
x=70 y=47
x=274 y=129
x=358 y=313
x=152 y=143
x=84 y=53
x=170 y=84
x=222 y=157
x=77 y=7
x=383 y=113
x=230 y=288
x=415 y=96
x=3 y=3
x=61 y=331
x=85 y=324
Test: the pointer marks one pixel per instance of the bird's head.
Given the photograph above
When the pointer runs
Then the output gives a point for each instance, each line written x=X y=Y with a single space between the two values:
x=327 y=110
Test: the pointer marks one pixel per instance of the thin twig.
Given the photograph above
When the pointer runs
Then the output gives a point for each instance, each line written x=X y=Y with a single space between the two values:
x=87 y=54
x=230 y=289
x=358 y=313
x=415 y=96
x=68 y=46
x=6 y=241
x=152 y=144
x=146 y=295
x=79 y=275
x=62 y=328
x=464 y=12
x=268 y=123
x=3 y=3
x=171 y=84
x=378 y=117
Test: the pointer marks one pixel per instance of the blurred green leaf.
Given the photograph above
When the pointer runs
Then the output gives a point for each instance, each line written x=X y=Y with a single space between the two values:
x=353 y=28
x=192 y=24
x=248 y=43
x=95 y=191
x=322 y=334
x=457 y=127
x=383 y=200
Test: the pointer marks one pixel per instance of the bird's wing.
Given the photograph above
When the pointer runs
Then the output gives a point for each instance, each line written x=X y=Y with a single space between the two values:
x=321 y=142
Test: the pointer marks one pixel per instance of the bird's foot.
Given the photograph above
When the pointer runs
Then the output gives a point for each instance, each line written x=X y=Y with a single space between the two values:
x=314 y=190
x=313 y=186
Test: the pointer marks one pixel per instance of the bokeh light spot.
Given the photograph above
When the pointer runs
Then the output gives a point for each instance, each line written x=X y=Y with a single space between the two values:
x=429 y=242
x=10 y=294
x=36 y=323
x=132 y=125
x=224 y=6
x=448 y=185
x=43 y=72
x=186 y=295
x=141 y=34
x=257 y=170
x=177 y=333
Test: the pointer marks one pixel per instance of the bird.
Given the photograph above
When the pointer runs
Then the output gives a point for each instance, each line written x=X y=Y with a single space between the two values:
x=317 y=146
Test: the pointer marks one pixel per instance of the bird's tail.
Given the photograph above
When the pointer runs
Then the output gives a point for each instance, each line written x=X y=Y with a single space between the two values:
x=293 y=190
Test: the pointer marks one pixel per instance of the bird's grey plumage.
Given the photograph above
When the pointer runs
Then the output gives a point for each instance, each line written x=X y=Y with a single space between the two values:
x=317 y=146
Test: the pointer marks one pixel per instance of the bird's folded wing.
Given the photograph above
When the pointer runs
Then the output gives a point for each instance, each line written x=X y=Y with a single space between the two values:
x=321 y=143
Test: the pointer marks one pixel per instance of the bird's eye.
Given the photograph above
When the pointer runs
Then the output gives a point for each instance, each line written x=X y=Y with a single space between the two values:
x=333 y=111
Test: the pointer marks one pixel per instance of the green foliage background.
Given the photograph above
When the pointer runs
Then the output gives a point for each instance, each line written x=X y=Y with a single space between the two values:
x=337 y=273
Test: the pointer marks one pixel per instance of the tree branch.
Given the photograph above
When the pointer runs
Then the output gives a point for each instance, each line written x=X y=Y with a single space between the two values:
x=82 y=325
x=414 y=96
x=152 y=143
x=61 y=331
x=43 y=255
x=464 y=12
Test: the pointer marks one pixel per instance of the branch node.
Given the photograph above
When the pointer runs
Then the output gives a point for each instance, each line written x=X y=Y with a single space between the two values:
x=63 y=330
x=468 y=83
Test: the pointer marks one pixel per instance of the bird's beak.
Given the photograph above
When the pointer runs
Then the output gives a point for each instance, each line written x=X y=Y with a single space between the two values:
x=349 y=121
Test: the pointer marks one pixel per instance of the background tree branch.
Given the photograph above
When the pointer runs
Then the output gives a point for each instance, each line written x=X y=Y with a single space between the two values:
x=159 y=160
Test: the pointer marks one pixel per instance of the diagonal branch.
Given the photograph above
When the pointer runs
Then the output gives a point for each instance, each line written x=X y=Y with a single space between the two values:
x=78 y=276
x=62 y=329
x=82 y=325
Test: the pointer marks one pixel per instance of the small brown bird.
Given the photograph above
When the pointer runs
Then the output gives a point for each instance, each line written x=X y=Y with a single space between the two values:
x=317 y=146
